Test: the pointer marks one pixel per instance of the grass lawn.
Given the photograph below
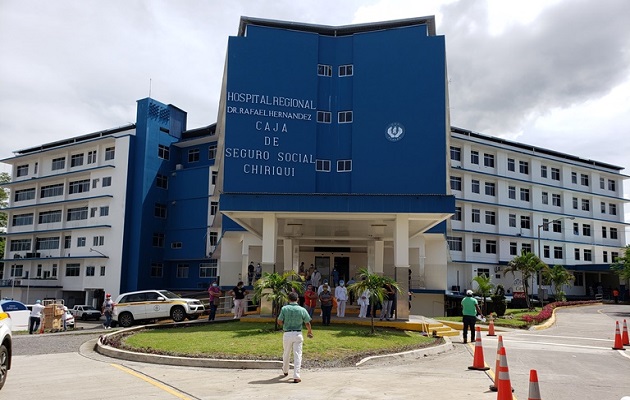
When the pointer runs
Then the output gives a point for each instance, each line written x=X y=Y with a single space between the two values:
x=511 y=319
x=335 y=345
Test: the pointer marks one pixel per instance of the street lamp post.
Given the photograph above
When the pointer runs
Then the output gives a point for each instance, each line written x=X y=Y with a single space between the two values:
x=544 y=224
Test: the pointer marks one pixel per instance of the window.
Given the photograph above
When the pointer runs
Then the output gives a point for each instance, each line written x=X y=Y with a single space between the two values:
x=491 y=246
x=543 y=171
x=575 y=203
x=525 y=222
x=208 y=270
x=213 y=238
x=22 y=170
x=49 y=243
x=491 y=218
x=613 y=233
x=546 y=251
x=526 y=248
x=574 y=177
x=98 y=241
x=163 y=152
x=79 y=186
x=579 y=279
x=586 y=230
x=512 y=220
x=576 y=254
x=93 y=212
x=545 y=198
x=215 y=175
x=95 y=183
x=456 y=153
x=73 y=270
x=51 y=190
x=524 y=194
x=212 y=152
x=454 y=243
x=158 y=240
x=586 y=205
x=75 y=214
x=557 y=226
x=214 y=207
x=90 y=270
x=21 y=245
x=91 y=158
x=324 y=117
x=604 y=232
x=576 y=229
x=160 y=210
x=511 y=164
x=513 y=249
x=344 y=165
x=612 y=185
x=81 y=242
x=556 y=200
x=17 y=270
x=605 y=254
x=161 y=181
x=488 y=160
x=110 y=153
x=157 y=270
x=602 y=183
x=614 y=256
x=483 y=272
x=324 y=70
x=48 y=217
x=555 y=174
x=344 y=117
x=24 y=194
x=588 y=255
x=474 y=157
x=345 y=70
x=512 y=192
x=193 y=155
x=22 y=219
x=602 y=207
x=475 y=186
x=476 y=245
x=58 y=163
x=490 y=189
x=545 y=224
x=102 y=272
x=456 y=183
x=182 y=270
x=584 y=179
x=76 y=160
x=458 y=214
x=322 y=165
x=612 y=209
x=475 y=215
x=523 y=167
x=104 y=211
x=557 y=252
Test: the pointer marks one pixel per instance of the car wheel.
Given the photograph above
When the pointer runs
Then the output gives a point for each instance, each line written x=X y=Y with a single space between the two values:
x=178 y=314
x=4 y=365
x=193 y=317
x=125 y=320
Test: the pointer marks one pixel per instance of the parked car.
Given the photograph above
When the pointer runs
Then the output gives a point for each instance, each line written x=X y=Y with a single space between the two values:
x=154 y=304
x=6 y=346
x=85 y=312
x=19 y=312
x=67 y=315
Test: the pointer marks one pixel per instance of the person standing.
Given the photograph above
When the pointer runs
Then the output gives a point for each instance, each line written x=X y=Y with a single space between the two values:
x=470 y=309
x=316 y=276
x=326 y=301
x=239 y=293
x=291 y=318
x=310 y=300
x=250 y=273
x=257 y=272
x=214 y=293
x=615 y=294
x=36 y=317
x=388 y=299
x=364 y=303
x=341 y=294
x=107 y=309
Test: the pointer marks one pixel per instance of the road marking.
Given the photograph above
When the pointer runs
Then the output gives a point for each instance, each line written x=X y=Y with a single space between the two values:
x=558 y=344
x=561 y=337
x=151 y=381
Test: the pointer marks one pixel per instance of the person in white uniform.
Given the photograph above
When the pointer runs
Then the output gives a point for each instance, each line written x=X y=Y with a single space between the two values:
x=364 y=302
x=341 y=294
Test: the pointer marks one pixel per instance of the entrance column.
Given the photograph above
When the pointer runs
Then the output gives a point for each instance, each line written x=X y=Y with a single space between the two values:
x=291 y=252
x=269 y=243
x=376 y=251
x=401 y=265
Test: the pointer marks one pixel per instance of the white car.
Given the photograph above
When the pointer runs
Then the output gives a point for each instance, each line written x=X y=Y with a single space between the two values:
x=154 y=304
x=19 y=312
x=6 y=346
x=67 y=315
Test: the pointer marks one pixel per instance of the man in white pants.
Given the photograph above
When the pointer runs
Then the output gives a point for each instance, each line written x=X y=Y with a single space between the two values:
x=341 y=294
x=291 y=318
x=364 y=303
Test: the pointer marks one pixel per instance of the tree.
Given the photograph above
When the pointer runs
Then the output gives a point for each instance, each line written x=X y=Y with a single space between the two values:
x=375 y=285
x=558 y=276
x=279 y=286
x=527 y=264
x=4 y=195
x=484 y=287
x=621 y=265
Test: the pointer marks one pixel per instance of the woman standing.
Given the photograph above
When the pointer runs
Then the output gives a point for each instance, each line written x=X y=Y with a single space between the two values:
x=326 y=301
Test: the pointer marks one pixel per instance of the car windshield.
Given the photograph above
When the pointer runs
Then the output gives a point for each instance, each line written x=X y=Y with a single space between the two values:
x=168 y=294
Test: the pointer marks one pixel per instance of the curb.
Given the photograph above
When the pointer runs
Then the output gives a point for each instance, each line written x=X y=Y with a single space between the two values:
x=412 y=354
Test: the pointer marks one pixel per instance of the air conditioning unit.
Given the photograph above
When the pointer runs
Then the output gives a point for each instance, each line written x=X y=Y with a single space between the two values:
x=178 y=167
x=17 y=256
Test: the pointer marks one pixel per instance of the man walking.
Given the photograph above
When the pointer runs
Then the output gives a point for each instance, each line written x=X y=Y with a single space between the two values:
x=35 y=318
x=470 y=309
x=291 y=318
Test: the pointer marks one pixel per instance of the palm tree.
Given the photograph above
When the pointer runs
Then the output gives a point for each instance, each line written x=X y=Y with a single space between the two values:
x=375 y=285
x=275 y=287
x=559 y=277
x=527 y=264
x=484 y=288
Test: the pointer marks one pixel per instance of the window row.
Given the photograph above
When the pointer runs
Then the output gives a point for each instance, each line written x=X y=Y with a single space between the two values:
x=74 y=187
x=52 y=243
x=206 y=269
x=343 y=70
x=46 y=217
x=455 y=243
x=324 y=165
x=343 y=117
x=78 y=159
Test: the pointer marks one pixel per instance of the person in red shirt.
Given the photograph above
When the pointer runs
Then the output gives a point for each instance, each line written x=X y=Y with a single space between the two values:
x=310 y=300
x=214 y=292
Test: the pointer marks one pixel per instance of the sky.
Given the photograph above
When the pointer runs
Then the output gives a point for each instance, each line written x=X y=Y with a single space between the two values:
x=550 y=73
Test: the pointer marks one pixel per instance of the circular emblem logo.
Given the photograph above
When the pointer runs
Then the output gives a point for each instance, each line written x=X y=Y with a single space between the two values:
x=395 y=131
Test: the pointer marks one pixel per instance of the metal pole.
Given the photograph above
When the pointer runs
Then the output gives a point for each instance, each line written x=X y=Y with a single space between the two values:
x=540 y=257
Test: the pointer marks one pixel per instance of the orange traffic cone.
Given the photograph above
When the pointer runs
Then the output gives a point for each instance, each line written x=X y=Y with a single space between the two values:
x=478 y=363
x=624 y=336
x=494 y=387
x=504 y=391
x=618 y=344
x=491 y=328
x=534 y=391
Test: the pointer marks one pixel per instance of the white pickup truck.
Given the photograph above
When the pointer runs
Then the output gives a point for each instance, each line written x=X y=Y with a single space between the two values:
x=85 y=312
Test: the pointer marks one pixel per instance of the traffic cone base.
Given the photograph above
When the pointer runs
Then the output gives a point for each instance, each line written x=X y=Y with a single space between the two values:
x=478 y=363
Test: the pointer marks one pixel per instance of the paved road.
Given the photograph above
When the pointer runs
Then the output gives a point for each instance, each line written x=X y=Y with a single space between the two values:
x=574 y=360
